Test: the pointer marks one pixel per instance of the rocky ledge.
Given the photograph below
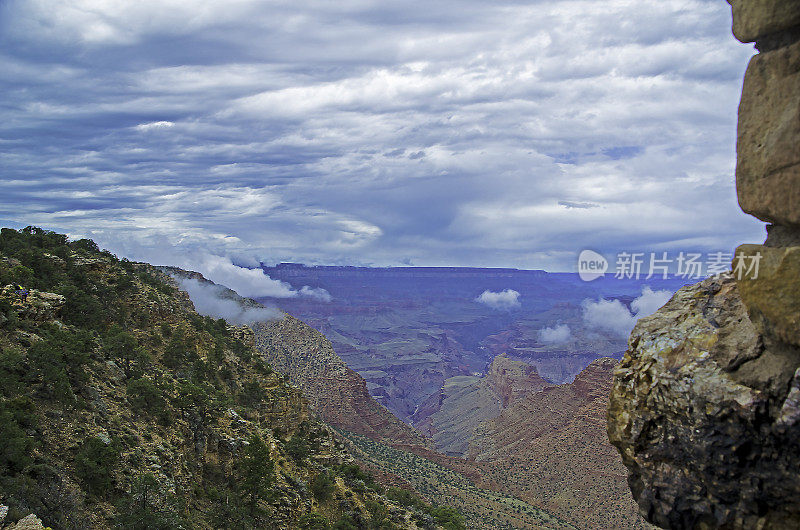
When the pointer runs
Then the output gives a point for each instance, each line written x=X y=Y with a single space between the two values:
x=705 y=415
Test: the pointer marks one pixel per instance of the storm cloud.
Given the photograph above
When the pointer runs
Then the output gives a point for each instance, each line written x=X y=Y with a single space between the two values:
x=450 y=133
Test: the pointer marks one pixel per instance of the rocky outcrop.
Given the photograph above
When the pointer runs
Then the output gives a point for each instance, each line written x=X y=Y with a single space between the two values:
x=773 y=296
x=702 y=415
x=38 y=305
x=512 y=380
x=31 y=522
x=768 y=157
x=705 y=407
x=768 y=166
x=754 y=20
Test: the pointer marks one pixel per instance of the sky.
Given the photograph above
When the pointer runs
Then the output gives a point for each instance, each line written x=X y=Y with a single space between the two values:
x=211 y=134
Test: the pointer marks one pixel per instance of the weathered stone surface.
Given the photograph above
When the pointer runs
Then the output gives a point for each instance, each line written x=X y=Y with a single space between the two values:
x=772 y=296
x=709 y=436
x=768 y=156
x=782 y=236
x=753 y=19
x=30 y=522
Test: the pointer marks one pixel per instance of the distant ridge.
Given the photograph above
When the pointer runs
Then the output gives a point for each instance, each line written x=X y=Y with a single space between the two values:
x=289 y=270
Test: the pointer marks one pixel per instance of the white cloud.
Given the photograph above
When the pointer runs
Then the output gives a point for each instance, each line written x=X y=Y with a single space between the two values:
x=650 y=301
x=608 y=315
x=210 y=300
x=558 y=334
x=154 y=125
x=502 y=301
x=316 y=292
x=247 y=282
x=612 y=315
x=252 y=283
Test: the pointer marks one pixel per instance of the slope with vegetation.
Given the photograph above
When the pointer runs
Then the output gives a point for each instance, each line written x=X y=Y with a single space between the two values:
x=120 y=406
x=335 y=391
x=440 y=482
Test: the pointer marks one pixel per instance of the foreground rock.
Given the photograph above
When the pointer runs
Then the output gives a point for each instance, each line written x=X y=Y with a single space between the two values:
x=706 y=418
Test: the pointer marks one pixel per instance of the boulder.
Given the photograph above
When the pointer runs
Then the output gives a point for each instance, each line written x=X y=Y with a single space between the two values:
x=754 y=19
x=772 y=292
x=706 y=418
x=768 y=157
x=31 y=522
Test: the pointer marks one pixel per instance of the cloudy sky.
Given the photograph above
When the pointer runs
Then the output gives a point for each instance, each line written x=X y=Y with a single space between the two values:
x=467 y=132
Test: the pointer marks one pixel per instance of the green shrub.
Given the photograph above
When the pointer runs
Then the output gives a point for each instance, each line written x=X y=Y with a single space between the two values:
x=59 y=360
x=352 y=474
x=86 y=245
x=9 y=319
x=144 y=395
x=346 y=522
x=81 y=309
x=149 y=507
x=15 y=449
x=180 y=349
x=95 y=463
x=404 y=498
x=251 y=394
x=255 y=470
x=322 y=486
x=313 y=521
x=241 y=350
x=448 y=518
x=124 y=349
x=297 y=448
x=22 y=275
x=12 y=372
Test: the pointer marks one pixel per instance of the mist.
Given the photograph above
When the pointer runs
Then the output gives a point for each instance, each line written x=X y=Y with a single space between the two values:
x=209 y=300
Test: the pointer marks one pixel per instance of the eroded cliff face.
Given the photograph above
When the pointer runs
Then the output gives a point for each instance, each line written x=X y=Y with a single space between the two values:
x=337 y=393
x=704 y=408
x=549 y=448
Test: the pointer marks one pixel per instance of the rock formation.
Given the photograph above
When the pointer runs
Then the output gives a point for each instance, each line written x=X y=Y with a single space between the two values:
x=549 y=448
x=705 y=404
x=467 y=401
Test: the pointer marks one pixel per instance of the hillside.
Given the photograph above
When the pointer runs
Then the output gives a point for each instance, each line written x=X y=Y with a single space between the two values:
x=335 y=392
x=550 y=449
x=120 y=406
x=444 y=480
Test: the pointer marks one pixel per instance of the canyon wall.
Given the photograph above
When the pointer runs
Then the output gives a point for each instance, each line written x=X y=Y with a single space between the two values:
x=705 y=406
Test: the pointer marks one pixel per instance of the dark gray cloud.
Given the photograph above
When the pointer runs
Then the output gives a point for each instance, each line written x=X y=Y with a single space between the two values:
x=478 y=133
